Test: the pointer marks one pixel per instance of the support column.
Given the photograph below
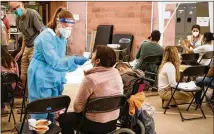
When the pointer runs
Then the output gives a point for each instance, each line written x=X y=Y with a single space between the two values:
x=161 y=10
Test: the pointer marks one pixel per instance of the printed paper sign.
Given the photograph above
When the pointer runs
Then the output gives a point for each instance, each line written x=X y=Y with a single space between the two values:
x=203 y=21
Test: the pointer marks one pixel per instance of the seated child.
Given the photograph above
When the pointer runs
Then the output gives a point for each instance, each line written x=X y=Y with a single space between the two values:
x=129 y=77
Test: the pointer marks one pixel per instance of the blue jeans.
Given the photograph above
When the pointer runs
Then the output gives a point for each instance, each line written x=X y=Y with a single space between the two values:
x=201 y=83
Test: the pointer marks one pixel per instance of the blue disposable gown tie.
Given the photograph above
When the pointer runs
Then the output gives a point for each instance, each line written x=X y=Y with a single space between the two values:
x=46 y=72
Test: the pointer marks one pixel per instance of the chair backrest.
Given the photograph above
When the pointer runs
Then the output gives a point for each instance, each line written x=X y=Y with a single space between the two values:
x=208 y=55
x=154 y=59
x=105 y=104
x=180 y=49
x=194 y=71
x=7 y=91
x=190 y=58
x=48 y=105
x=8 y=78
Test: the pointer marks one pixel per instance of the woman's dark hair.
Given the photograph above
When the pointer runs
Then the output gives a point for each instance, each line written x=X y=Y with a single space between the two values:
x=209 y=36
x=6 y=58
x=155 y=35
x=106 y=55
x=196 y=26
x=60 y=13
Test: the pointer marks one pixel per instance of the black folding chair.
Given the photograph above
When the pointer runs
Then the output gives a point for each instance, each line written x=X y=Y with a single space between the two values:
x=41 y=106
x=7 y=92
x=154 y=60
x=103 y=105
x=189 y=72
x=190 y=59
x=207 y=55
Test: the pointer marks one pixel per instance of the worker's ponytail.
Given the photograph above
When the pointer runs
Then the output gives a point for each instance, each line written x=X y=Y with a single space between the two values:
x=52 y=23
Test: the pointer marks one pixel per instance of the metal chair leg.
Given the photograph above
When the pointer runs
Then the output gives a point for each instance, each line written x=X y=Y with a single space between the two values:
x=191 y=102
x=11 y=109
x=169 y=101
x=202 y=98
x=22 y=108
x=182 y=118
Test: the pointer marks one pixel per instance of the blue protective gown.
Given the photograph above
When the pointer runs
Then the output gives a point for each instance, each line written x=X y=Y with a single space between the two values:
x=46 y=72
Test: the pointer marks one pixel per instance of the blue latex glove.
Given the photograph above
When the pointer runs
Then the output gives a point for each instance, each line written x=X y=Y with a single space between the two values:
x=80 y=60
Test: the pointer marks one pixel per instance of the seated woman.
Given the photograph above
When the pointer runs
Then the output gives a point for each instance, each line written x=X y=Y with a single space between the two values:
x=102 y=80
x=207 y=46
x=8 y=64
x=168 y=76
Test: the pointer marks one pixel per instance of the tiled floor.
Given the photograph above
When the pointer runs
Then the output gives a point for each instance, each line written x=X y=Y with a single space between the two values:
x=169 y=123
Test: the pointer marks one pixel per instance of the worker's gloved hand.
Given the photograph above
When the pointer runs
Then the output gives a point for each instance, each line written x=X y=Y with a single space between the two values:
x=80 y=60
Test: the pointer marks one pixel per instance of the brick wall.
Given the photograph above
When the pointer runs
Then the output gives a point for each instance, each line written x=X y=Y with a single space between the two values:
x=78 y=42
x=127 y=17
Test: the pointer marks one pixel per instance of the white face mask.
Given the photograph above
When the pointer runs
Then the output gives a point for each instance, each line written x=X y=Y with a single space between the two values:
x=65 y=32
x=195 y=34
x=2 y=17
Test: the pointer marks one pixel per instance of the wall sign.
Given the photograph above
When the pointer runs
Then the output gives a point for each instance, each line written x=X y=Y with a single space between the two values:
x=203 y=21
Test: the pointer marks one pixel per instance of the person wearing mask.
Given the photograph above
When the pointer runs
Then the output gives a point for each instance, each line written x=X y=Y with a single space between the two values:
x=29 y=22
x=168 y=76
x=46 y=72
x=101 y=81
x=148 y=49
x=208 y=37
x=195 y=40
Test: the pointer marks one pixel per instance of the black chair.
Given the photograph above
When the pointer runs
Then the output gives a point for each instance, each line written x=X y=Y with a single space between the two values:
x=102 y=105
x=190 y=59
x=7 y=92
x=103 y=35
x=46 y=105
x=207 y=55
x=189 y=72
x=155 y=61
x=125 y=41
x=180 y=49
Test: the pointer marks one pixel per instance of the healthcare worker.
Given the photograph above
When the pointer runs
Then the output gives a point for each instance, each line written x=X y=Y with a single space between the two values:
x=46 y=72
x=195 y=39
